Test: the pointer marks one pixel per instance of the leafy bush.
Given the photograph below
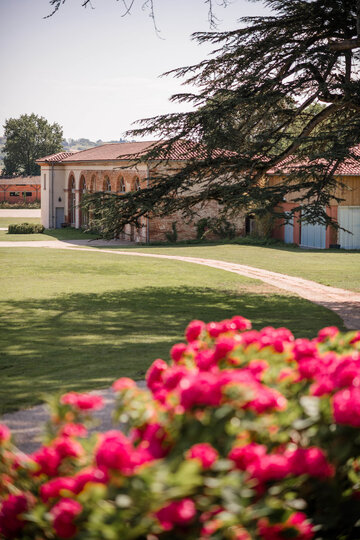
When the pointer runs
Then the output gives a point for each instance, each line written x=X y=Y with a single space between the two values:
x=219 y=227
x=26 y=228
x=31 y=205
x=244 y=435
x=254 y=240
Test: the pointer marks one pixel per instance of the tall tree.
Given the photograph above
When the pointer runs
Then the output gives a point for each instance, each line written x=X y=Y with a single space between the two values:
x=281 y=92
x=28 y=138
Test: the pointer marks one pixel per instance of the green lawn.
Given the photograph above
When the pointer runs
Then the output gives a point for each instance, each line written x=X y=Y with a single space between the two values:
x=6 y=221
x=329 y=267
x=48 y=234
x=78 y=320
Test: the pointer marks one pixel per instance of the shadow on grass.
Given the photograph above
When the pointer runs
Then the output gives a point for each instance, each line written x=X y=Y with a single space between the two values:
x=69 y=233
x=85 y=341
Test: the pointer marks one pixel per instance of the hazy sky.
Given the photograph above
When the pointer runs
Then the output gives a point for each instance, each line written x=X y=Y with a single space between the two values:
x=94 y=71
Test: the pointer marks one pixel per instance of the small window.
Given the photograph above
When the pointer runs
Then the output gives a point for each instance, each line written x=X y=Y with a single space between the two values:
x=121 y=186
x=44 y=181
x=14 y=193
x=26 y=193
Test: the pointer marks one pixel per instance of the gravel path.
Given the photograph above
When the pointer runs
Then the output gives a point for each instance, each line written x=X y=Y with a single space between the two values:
x=25 y=424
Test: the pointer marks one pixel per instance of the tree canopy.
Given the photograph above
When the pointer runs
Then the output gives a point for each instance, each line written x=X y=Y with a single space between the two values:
x=28 y=138
x=280 y=88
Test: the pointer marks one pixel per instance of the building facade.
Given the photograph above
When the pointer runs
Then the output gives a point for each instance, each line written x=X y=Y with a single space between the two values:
x=20 y=190
x=346 y=213
x=66 y=177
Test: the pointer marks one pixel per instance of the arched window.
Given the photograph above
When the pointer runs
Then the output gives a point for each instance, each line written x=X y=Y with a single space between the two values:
x=137 y=184
x=107 y=184
x=72 y=201
x=84 y=218
x=120 y=187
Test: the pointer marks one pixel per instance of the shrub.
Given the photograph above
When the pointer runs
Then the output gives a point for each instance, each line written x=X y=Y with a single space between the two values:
x=31 y=205
x=26 y=228
x=243 y=435
x=219 y=227
x=254 y=240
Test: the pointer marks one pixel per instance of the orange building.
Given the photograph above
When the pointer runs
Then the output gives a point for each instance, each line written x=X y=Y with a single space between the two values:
x=21 y=189
x=346 y=213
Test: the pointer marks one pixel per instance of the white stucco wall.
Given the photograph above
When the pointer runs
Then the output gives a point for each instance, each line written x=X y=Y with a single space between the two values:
x=52 y=193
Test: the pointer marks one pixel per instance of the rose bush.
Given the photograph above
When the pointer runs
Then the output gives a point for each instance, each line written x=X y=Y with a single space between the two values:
x=243 y=435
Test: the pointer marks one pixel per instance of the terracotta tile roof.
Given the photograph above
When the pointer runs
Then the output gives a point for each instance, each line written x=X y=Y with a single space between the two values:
x=21 y=181
x=181 y=150
x=350 y=166
x=60 y=156
x=110 y=151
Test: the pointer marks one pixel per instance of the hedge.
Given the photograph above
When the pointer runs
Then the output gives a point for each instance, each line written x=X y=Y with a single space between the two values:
x=26 y=228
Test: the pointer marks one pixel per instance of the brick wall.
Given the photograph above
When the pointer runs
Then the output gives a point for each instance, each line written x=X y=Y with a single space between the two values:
x=187 y=231
x=7 y=190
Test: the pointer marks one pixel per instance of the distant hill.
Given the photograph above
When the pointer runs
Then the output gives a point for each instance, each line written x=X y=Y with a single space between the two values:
x=75 y=145
x=70 y=145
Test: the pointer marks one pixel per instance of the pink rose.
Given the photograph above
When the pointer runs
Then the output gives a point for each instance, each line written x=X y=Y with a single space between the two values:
x=323 y=385
x=241 y=323
x=173 y=376
x=67 y=447
x=257 y=368
x=200 y=390
x=244 y=456
x=73 y=430
x=214 y=329
x=205 y=360
x=154 y=375
x=153 y=440
x=123 y=384
x=223 y=347
x=114 y=452
x=83 y=402
x=48 y=460
x=346 y=407
x=279 y=531
x=327 y=333
x=310 y=461
x=203 y=452
x=11 y=509
x=304 y=348
x=176 y=513
x=347 y=371
x=177 y=351
x=53 y=488
x=194 y=330
x=4 y=434
x=89 y=475
x=63 y=515
x=270 y=467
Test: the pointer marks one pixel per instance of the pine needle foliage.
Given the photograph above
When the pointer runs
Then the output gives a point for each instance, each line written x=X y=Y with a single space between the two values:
x=280 y=88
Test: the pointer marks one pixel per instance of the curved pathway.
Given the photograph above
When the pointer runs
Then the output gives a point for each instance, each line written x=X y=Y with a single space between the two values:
x=25 y=424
